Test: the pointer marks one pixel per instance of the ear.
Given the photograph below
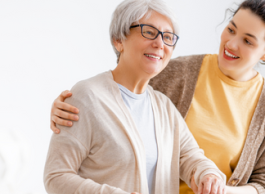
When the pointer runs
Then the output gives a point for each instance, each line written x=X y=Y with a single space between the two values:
x=118 y=45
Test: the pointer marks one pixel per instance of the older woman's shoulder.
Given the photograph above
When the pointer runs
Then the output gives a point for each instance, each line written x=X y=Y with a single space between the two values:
x=96 y=85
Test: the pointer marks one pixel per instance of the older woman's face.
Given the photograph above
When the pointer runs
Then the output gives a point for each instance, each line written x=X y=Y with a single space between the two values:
x=143 y=56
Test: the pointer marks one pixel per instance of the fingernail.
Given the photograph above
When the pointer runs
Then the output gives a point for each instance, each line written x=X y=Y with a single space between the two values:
x=76 y=110
x=57 y=131
x=76 y=117
x=69 y=123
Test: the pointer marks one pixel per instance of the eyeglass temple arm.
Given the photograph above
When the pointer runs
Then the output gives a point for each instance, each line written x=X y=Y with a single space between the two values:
x=134 y=26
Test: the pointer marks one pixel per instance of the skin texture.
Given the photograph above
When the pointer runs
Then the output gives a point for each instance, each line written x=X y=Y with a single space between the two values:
x=244 y=37
x=205 y=185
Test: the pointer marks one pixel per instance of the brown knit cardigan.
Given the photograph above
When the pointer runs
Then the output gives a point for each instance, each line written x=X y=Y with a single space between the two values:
x=178 y=81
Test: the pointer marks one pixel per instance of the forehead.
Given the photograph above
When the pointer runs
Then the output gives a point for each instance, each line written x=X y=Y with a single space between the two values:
x=157 y=20
x=249 y=23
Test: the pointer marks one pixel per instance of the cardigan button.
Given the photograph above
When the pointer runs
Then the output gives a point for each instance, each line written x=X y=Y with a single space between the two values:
x=235 y=181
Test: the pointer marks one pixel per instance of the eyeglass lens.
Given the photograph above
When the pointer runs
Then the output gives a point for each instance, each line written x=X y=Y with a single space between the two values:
x=151 y=33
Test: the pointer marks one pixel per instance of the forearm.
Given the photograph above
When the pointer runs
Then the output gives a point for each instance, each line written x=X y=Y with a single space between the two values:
x=192 y=158
x=203 y=166
x=241 y=190
x=68 y=183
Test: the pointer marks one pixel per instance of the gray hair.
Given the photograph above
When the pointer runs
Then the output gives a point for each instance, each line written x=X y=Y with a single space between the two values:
x=130 y=11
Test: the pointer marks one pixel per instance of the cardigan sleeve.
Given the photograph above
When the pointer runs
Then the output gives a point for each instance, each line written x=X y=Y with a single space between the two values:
x=257 y=178
x=66 y=153
x=192 y=158
x=64 y=158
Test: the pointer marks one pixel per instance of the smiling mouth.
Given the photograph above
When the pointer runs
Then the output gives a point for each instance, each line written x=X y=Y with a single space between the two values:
x=230 y=55
x=152 y=56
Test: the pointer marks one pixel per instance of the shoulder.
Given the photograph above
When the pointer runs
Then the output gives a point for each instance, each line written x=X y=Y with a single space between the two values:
x=92 y=85
x=90 y=90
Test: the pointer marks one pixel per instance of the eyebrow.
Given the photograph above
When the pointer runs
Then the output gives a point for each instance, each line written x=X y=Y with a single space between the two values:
x=250 y=35
x=167 y=30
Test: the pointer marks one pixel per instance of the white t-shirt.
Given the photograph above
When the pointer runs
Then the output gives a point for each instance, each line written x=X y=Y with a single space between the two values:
x=141 y=110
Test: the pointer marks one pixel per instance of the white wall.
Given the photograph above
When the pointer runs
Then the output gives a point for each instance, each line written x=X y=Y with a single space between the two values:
x=47 y=46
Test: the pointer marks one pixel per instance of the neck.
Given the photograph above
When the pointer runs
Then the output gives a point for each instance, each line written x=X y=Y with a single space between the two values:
x=241 y=76
x=129 y=79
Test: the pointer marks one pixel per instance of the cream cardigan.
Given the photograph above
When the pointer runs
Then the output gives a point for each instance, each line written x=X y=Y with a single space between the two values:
x=103 y=152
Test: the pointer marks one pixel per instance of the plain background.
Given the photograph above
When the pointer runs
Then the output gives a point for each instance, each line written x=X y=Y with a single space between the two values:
x=47 y=46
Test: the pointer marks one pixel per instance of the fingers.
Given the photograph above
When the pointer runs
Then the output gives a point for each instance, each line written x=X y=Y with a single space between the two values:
x=214 y=186
x=211 y=184
x=65 y=115
x=207 y=188
x=221 y=190
x=193 y=185
x=57 y=104
x=200 y=188
x=54 y=128
x=59 y=114
x=224 y=190
x=65 y=94
x=60 y=121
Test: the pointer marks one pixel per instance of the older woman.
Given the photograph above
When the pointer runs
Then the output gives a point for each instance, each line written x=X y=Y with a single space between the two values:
x=129 y=138
x=222 y=99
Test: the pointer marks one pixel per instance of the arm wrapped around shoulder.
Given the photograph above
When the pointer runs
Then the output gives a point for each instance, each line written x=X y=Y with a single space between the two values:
x=68 y=153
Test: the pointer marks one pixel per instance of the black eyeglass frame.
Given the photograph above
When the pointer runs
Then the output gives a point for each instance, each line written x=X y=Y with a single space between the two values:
x=159 y=32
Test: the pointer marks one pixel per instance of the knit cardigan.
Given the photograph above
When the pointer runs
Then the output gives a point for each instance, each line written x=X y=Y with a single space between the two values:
x=103 y=152
x=178 y=81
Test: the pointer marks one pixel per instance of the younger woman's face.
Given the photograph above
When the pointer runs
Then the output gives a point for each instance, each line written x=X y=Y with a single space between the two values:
x=242 y=43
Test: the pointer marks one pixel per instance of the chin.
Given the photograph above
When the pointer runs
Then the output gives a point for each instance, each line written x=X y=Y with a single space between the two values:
x=224 y=64
x=227 y=67
x=152 y=72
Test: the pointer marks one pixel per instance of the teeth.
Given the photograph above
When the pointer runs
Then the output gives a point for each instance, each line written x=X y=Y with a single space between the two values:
x=230 y=55
x=152 y=56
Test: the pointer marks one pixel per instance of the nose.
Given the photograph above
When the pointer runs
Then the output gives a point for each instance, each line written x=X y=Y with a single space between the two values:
x=232 y=44
x=158 y=42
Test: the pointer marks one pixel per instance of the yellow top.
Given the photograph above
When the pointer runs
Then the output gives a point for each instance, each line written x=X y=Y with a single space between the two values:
x=220 y=114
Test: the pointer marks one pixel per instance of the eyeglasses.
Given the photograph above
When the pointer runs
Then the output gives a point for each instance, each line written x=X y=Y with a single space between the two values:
x=150 y=32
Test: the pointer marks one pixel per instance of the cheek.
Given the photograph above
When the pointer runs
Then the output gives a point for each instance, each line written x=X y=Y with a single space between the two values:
x=224 y=36
x=253 y=55
x=168 y=52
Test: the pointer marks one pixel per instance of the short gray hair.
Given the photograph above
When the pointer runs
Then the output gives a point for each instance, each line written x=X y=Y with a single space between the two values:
x=130 y=11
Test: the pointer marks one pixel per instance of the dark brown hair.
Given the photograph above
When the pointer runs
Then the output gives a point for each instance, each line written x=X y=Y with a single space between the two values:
x=256 y=6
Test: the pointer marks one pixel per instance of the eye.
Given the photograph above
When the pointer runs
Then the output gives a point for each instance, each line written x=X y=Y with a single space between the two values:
x=168 y=37
x=149 y=32
x=230 y=30
x=247 y=42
